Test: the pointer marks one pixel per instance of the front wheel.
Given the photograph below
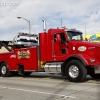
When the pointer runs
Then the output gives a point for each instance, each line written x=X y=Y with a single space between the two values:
x=75 y=71
x=4 y=71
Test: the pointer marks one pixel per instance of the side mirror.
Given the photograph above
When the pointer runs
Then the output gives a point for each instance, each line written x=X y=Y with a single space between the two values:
x=86 y=39
x=58 y=38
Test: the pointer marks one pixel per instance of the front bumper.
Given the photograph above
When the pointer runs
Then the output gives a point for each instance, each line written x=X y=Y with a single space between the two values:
x=97 y=69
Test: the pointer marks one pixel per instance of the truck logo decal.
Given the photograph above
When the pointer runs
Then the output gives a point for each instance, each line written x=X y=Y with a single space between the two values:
x=13 y=56
x=82 y=48
x=23 y=54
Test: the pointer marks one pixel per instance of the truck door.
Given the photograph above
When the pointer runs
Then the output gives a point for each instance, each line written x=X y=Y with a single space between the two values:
x=59 y=46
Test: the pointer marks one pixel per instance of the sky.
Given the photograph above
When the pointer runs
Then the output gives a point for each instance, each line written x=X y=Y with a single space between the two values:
x=84 y=15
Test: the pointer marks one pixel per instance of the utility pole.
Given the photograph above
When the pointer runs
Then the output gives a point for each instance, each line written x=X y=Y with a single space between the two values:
x=28 y=23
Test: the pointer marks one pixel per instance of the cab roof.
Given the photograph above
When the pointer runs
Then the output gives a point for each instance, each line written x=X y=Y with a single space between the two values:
x=73 y=30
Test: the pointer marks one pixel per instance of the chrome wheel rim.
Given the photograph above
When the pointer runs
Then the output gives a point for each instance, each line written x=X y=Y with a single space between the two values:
x=73 y=71
x=3 y=70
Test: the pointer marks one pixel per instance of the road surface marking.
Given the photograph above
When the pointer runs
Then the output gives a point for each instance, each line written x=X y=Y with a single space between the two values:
x=47 y=93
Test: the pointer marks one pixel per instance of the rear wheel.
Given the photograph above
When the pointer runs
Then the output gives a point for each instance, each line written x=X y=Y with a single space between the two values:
x=75 y=71
x=4 y=71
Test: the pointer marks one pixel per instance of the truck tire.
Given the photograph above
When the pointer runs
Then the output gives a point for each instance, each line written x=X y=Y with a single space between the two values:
x=75 y=71
x=95 y=76
x=4 y=71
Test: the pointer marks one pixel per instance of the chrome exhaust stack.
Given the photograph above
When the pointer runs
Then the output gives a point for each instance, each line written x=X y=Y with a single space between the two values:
x=44 y=24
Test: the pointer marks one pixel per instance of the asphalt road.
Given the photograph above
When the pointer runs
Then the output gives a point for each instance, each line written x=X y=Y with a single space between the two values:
x=41 y=86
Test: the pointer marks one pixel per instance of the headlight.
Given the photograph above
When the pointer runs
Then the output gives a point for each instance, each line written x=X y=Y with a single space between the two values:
x=81 y=48
x=92 y=60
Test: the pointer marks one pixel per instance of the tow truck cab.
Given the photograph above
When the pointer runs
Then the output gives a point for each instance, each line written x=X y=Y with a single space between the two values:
x=58 y=44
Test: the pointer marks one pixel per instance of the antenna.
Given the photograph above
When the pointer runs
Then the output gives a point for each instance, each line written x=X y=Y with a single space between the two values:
x=85 y=31
x=61 y=22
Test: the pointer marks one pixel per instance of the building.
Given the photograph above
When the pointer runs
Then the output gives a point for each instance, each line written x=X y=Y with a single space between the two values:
x=92 y=37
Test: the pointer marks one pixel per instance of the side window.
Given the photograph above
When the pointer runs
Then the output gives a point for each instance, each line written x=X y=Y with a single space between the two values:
x=62 y=36
x=54 y=37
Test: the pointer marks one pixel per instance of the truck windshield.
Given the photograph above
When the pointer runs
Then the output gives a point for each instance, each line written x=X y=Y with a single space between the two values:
x=74 y=35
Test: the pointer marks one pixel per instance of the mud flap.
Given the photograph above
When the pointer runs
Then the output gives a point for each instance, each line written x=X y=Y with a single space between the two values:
x=20 y=68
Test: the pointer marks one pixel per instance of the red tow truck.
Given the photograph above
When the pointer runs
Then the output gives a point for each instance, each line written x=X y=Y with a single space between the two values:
x=58 y=50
